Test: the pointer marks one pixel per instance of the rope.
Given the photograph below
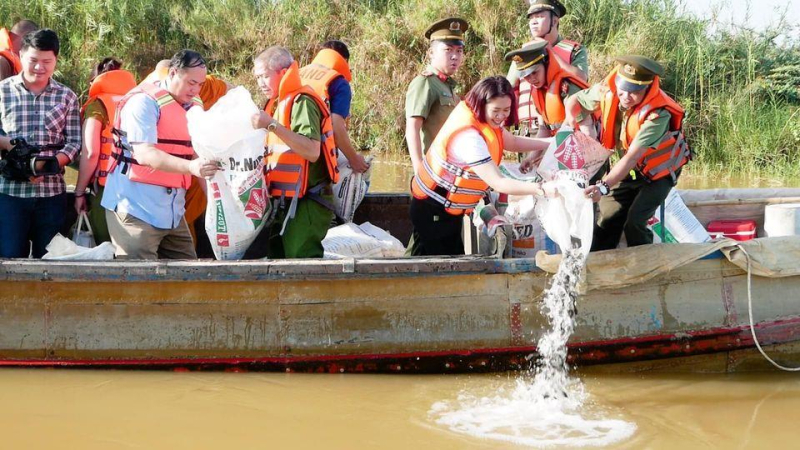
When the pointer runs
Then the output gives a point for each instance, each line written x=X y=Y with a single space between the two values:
x=750 y=312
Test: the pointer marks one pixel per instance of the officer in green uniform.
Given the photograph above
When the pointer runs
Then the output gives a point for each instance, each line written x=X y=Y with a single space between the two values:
x=299 y=236
x=543 y=21
x=430 y=97
x=634 y=197
x=530 y=63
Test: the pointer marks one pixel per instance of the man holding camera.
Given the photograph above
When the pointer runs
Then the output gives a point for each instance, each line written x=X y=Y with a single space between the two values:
x=40 y=133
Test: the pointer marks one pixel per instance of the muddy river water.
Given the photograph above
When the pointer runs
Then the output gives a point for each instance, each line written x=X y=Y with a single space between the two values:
x=54 y=409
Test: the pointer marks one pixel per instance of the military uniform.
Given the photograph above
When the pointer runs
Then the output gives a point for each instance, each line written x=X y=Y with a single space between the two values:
x=431 y=94
x=633 y=201
x=578 y=57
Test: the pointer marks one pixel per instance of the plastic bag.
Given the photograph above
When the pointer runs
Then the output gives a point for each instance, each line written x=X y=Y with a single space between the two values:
x=238 y=201
x=63 y=249
x=350 y=190
x=80 y=236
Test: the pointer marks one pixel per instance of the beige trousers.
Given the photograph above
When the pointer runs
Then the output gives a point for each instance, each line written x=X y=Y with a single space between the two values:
x=137 y=239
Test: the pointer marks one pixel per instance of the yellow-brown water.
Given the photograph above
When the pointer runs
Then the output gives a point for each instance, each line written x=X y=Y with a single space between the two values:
x=66 y=409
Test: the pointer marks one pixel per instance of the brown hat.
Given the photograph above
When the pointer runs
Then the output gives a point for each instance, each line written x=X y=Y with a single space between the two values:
x=450 y=29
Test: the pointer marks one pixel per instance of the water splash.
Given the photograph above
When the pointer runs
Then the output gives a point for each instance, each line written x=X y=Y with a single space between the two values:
x=547 y=407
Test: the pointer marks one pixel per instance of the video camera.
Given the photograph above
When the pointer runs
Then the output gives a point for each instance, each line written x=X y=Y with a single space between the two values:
x=23 y=161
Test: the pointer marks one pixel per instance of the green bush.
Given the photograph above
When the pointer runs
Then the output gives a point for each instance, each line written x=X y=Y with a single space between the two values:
x=740 y=89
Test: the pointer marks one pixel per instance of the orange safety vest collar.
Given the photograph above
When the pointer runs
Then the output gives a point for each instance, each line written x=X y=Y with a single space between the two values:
x=173 y=138
x=669 y=154
x=548 y=101
x=455 y=186
x=7 y=52
x=109 y=88
x=326 y=67
x=286 y=171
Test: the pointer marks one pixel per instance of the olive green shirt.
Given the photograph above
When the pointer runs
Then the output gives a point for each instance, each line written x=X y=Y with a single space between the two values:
x=580 y=60
x=432 y=99
x=96 y=110
x=307 y=121
x=651 y=131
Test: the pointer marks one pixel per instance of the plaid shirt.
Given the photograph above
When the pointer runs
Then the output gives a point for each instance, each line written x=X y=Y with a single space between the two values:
x=50 y=118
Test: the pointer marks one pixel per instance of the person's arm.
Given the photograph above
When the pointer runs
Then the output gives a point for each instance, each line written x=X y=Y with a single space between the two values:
x=72 y=132
x=305 y=122
x=5 y=143
x=342 y=137
x=649 y=134
x=419 y=100
x=522 y=144
x=150 y=156
x=90 y=157
x=490 y=174
x=584 y=103
x=5 y=69
x=414 y=140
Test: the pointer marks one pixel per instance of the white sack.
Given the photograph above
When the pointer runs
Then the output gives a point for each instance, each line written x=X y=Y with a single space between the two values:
x=361 y=241
x=63 y=249
x=350 y=190
x=238 y=201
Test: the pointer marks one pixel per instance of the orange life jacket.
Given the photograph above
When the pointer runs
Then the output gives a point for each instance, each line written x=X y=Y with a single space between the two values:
x=173 y=138
x=287 y=172
x=456 y=187
x=666 y=156
x=109 y=88
x=7 y=52
x=549 y=102
x=327 y=66
x=526 y=110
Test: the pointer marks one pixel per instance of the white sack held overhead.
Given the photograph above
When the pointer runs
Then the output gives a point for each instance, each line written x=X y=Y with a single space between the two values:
x=680 y=225
x=238 y=201
x=350 y=190
x=361 y=241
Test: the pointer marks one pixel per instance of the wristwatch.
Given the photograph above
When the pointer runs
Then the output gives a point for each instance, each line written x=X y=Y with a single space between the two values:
x=602 y=186
x=272 y=126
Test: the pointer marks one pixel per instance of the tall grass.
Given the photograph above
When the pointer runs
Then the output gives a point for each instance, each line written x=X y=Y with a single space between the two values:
x=740 y=89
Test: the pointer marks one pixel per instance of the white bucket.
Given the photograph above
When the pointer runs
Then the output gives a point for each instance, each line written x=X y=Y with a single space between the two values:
x=782 y=220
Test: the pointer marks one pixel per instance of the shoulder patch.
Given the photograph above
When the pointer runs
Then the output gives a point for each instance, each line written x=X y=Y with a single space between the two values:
x=653 y=116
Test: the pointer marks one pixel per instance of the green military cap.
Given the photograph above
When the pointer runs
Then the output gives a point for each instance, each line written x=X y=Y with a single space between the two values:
x=528 y=57
x=554 y=6
x=636 y=72
x=450 y=29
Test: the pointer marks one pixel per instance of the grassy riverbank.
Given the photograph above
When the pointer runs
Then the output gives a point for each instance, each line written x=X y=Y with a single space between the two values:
x=740 y=89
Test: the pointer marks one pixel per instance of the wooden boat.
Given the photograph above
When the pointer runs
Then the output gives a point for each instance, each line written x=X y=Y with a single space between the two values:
x=400 y=315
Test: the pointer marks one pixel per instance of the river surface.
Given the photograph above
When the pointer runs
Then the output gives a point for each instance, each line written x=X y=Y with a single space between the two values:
x=66 y=409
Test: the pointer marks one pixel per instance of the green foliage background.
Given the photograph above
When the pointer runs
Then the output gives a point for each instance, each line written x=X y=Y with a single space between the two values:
x=740 y=89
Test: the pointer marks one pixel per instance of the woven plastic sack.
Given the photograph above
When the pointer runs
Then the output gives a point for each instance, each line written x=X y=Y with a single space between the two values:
x=238 y=202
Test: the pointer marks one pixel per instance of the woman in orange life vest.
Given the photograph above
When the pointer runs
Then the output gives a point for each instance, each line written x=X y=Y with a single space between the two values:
x=639 y=118
x=107 y=86
x=462 y=164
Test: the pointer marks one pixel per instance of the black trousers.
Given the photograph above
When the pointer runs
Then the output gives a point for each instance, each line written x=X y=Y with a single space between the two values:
x=435 y=231
x=627 y=208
